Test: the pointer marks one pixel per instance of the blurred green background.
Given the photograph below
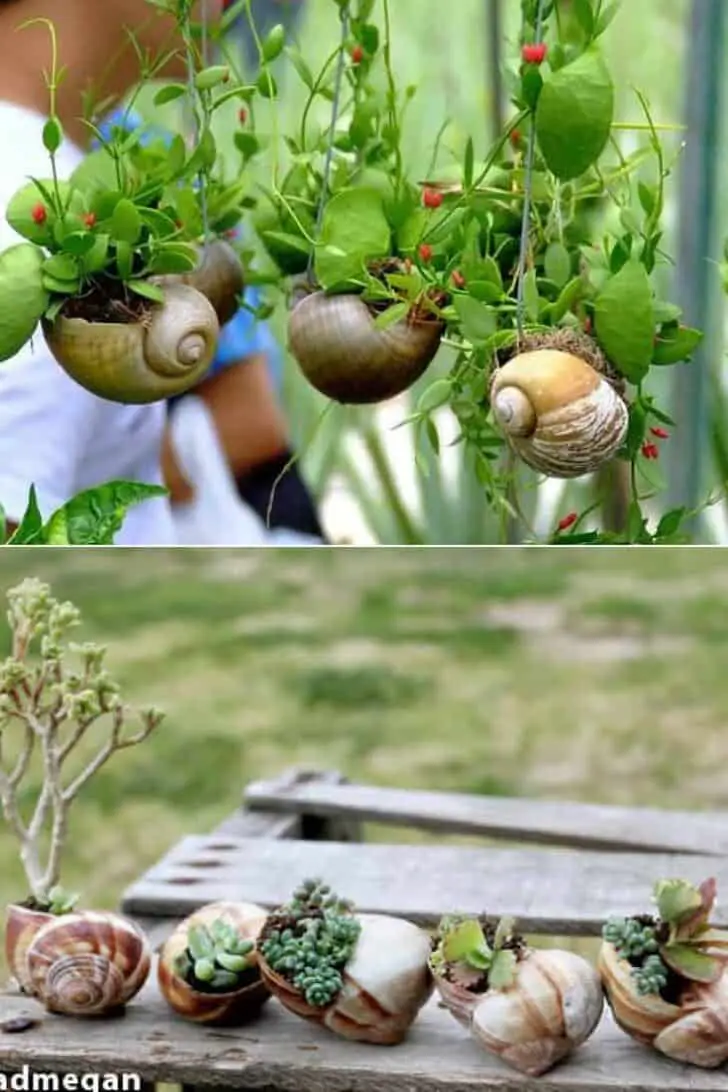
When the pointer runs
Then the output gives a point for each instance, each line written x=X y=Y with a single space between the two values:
x=595 y=675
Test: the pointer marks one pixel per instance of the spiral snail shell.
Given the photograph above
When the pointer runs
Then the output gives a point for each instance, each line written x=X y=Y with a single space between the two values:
x=558 y=413
x=345 y=356
x=385 y=983
x=694 y=1031
x=88 y=963
x=161 y=356
x=218 y=1009
x=21 y=926
x=219 y=277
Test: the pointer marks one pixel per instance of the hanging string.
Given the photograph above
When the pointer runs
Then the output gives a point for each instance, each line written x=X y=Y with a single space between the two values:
x=527 y=199
x=344 y=15
x=194 y=118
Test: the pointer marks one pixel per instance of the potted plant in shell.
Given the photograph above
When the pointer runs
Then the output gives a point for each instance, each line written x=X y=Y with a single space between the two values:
x=665 y=975
x=529 y=1007
x=363 y=976
x=77 y=963
x=207 y=969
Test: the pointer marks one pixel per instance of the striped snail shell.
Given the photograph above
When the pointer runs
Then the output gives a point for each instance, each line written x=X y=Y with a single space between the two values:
x=219 y=277
x=386 y=983
x=558 y=413
x=21 y=926
x=694 y=1031
x=346 y=357
x=156 y=358
x=217 y=1009
x=88 y=963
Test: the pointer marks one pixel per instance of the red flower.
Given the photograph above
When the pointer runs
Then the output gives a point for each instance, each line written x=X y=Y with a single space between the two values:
x=89 y=219
x=660 y=433
x=432 y=199
x=534 y=54
x=515 y=137
x=39 y=213
x=242 y=115
x=458 y=279
x=587 y=324
x=651 y=451
x=425 y=252
x=357 y=54
x=568 y=521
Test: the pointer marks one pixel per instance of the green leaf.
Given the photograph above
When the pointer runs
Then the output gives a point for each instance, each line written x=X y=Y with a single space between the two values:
x=63 y=267
x=354 y=230
x=147 y=290
x=557 y=264
x=52 y=135
x=20 y=209
x=66 y=288
x=95 y=516
x=30 y=528
x=462 y=940
x=436 y=395
x=211 y=77
x=392 y=315
x=671 y=522
x=584 y=13
x=485 y=291
x=23 y=299
x=169 y=93
x=530 y=296
x=674 y=347
x=570 y=295
x=606 y=18
x=301 y=67
x=574 y=115
x=78 y=243
x=478 y=321
x=95 y=260
x=692 y=964
x=274 y=42
x=676 y=900
x=502 y=972
x=624 y=321
x=266 y=85
x=126 y=222
x=469 y=164
x=124 y=260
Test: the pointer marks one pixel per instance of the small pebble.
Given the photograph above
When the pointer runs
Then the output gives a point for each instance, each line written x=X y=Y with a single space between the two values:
x=18 y=1024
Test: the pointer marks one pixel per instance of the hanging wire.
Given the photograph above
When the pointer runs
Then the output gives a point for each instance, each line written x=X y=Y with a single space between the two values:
x=344 y=15
x=193 y=119
x=527 y=197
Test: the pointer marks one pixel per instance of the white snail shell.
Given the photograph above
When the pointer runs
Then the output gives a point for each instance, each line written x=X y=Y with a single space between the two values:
x=88 y=963
x=219 y=277
x=346 y=357
x=21 y=926
x=147 y=361
x=560 y=415
x=386 y=983
x=696 y=1031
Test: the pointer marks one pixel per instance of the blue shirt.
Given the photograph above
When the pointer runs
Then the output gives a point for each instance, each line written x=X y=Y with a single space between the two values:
x=244 y=335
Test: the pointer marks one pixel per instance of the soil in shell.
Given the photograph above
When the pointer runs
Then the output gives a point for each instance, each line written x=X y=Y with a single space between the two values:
x=106 y=300
x=563 y=340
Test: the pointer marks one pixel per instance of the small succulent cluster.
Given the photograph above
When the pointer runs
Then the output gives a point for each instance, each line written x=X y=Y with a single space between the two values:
x=315 y=940
x=679 y=942
x=216 y=958
x=477 y=956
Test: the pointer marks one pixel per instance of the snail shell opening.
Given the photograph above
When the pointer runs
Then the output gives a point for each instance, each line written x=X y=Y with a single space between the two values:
x=83 y=984
x=514 y=412
x=182 y=333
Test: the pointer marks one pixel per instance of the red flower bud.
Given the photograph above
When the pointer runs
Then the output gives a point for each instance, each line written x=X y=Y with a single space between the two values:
x=515 y=137
x=660 y=433
x=425 y=252
x=39 y=214
x=242 y=115
x=534 y=54
x=587 y=324
x=568 y=521
x=432 y=199
x=357 y=54
x=458 y=279
x=90 y=219
x=650 y=451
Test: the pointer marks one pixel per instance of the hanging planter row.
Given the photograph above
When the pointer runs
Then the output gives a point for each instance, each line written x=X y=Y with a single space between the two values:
x=365 y=977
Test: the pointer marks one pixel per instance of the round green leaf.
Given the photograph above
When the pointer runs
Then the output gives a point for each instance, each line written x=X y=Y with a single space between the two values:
x=23 y=299
x=574 y=115
x=624 y=320
x=274 y=42
x=126 y=223
x=354 y=230
x=557 y=264
x=19 y=212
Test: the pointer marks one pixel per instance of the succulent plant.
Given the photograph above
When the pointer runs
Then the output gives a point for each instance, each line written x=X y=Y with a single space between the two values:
x=57 y=902
x=216 y=959
x=310 y=940
x=471 y=959
x=679 y=941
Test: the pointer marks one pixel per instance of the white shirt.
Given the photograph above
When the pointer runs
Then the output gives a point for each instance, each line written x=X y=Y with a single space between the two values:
x=53 y=433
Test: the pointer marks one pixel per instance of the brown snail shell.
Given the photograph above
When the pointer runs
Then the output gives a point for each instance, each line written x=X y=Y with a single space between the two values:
x=218 y=1009
x=554 y=1005
x=386 y=983
x=159 y=357
x=88 y=963
x=219 y=277
x=21 y=926
x=558 y=413
x=346 y=357
x=695 y=1031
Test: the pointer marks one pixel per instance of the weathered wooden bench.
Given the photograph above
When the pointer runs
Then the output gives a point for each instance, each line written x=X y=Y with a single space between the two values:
x=310 y=824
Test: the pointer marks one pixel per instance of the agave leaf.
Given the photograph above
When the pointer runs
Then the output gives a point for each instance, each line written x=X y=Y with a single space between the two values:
x=677 y=900
x=462 y=941
x=691 y=964
x=502 y=972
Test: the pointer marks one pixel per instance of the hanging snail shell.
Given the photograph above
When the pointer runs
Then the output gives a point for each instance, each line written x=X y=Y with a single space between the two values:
x=218 y=1009
x=219 y=277
x=695 y=1031
x=558 y=413
x=346 y=357
x=161 y=356
x=386 y=982
x=21 y=926
x=553 y=1007
x=87 y=964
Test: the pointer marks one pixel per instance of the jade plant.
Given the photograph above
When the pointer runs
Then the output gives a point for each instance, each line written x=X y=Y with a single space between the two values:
x=310 y=940
x=216 y=959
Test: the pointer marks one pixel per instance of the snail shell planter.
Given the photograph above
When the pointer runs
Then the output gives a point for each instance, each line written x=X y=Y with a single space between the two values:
x=560 y=405
x=219 y=277
x=365 y=977
x=531 y=1008
x=345 y=356
x=666 y=978
x=210 y=1002
x=89 y=963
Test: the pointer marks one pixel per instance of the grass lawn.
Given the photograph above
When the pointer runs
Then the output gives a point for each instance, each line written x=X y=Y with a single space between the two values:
x=582 y=674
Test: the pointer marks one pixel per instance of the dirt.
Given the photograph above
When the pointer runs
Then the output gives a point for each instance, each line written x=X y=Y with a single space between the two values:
x=107 y=300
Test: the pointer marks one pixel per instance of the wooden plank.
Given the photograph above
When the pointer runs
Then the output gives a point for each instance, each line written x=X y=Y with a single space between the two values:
x=317 y=826
x=281 y=1053
x=551 y=891
x=588 y=826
